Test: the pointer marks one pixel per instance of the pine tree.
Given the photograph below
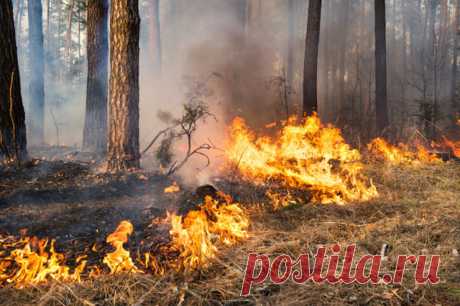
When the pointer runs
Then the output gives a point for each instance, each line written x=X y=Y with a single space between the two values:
x=310 y=82
x=123 y=152
x=13 y=143
x=95 y=130
x=37 y=78
x=381 y=106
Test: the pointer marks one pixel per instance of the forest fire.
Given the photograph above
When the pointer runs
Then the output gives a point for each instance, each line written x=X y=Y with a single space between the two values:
x=120 y=260
x=306 y=155
x=401 y=154
x=454 y=146
x=34 y=261
x=195 y=237
x=172 y=189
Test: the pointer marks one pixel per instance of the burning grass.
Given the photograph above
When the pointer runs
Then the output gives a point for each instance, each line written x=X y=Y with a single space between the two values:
x=195 y=238
x=305 y=155
x=416 y=212
x=401 y=154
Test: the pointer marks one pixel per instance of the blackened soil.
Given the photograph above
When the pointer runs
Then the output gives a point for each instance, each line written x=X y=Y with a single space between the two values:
x=70 y=200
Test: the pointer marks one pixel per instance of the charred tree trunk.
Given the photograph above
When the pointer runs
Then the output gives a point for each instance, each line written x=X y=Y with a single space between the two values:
x=123 y=150
x=37 y=66
x=155 y=36
x=95 y=131
x=13 y=144
x=381 y=106
x=310 y=81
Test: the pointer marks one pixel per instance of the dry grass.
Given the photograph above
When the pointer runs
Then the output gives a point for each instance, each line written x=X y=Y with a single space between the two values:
x=417 y=212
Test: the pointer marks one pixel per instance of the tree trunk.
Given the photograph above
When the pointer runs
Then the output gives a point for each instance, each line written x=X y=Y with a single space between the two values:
x=123 y=150
x=37 y=66
x=79 y=33
x=310 y=82
x=18 y=11
x=242 y=15
x=291 y=42
x=434 y=56
x=455 y=86
x=95 y=131
x=68 y=36
x=328 y=108
x=381 y=106
x=345 y=25
x=404 y=59
x=13 y=144
x=48 y=5
x=155 y=36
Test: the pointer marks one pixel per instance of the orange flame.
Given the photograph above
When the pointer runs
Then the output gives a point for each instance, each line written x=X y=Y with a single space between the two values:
x=35 y=267
x=172 y=189
x=279 y=200
x=454 y=146
x=196 y=235
x=120 y=260
x=401 y=154
x=196 y=238
x=308 y=156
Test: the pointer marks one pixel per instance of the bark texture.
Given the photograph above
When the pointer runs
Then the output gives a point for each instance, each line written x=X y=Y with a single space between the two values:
x=381 y=106
x=123 y=152
x=13 y=145
x=37 y=66
x=310 y=79
x=95 y=130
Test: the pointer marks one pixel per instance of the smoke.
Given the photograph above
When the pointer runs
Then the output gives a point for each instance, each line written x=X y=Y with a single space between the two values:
x=210 y=40
x=199 y=40
x=245 y=51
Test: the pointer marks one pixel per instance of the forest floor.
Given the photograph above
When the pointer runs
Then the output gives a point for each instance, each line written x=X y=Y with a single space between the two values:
x=417 y=212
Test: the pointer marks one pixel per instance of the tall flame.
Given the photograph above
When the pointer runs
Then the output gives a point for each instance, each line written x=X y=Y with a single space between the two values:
x=195 y=236
x=120 y=260
x=306 y=155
